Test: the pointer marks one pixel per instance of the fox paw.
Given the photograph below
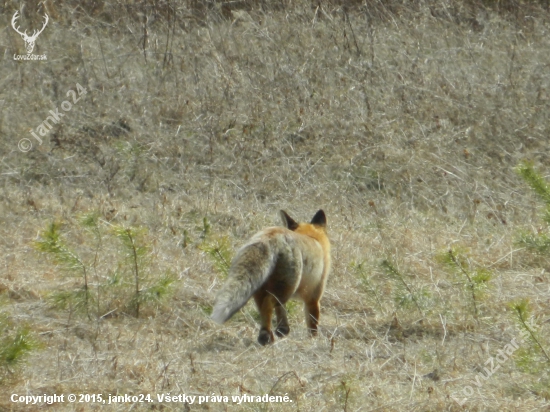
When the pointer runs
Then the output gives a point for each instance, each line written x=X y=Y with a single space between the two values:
x=265 y=337
x=282 y=330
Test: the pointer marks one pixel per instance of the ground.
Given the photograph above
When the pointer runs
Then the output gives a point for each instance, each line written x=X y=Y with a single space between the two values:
x=190 y=125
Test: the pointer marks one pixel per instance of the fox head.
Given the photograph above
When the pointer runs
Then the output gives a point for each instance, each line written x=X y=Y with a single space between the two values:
x=315 y=228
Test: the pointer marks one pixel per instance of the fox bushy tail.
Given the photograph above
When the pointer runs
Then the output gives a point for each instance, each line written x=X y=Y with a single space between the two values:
x=249 y=271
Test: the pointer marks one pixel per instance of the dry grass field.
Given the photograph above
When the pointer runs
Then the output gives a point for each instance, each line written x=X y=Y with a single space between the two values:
x=404 y=121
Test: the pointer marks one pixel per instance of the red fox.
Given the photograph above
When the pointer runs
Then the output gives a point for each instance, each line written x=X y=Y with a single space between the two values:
x=275 y=265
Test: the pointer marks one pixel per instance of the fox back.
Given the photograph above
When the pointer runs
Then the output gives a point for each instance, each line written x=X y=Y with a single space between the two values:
x=276 y=264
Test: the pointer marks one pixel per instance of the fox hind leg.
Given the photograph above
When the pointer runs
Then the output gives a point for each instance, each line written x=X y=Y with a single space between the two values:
x=274 y=296
x=264 y=302
x=282 y=292
x=312 y=310
x=282 y=328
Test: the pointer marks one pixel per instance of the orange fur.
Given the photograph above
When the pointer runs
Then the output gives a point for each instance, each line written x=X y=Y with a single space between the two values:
x=277 y=264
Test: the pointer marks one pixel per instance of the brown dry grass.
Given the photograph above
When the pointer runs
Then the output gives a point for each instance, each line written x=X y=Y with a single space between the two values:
x=404 y=123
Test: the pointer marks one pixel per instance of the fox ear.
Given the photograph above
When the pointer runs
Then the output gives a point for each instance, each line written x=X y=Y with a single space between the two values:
x=288 y=221
x=319 y=219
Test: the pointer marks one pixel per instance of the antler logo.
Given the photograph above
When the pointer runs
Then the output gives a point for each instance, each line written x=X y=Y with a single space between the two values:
x=29 y=40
